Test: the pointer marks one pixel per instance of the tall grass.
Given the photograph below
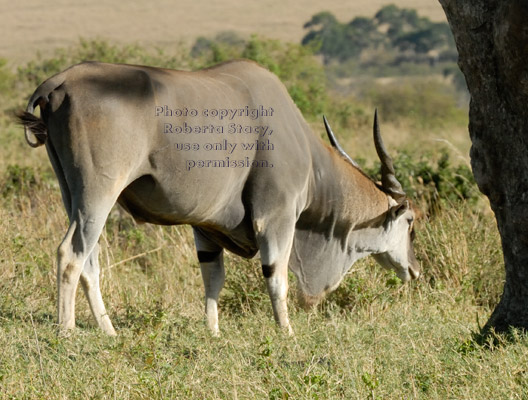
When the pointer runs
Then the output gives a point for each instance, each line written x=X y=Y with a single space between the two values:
x=372 y=338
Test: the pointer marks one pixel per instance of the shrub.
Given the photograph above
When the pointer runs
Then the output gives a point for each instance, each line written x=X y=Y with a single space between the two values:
x=224 y=46
x=433 y=184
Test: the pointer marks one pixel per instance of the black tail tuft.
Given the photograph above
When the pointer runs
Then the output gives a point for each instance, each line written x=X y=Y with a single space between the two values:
x=34 y=125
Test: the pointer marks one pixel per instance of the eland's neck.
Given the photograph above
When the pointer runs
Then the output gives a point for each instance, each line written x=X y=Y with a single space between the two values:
x=342 y=193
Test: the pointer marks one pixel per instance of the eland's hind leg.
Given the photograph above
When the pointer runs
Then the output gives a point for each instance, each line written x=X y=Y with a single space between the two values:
x=90 y=272
x=92 y=290
x=73 y=257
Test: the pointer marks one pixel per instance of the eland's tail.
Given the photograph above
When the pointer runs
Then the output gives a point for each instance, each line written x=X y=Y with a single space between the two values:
x=35 y=126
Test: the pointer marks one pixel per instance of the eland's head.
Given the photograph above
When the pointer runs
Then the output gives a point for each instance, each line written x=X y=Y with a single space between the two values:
x=392 y=242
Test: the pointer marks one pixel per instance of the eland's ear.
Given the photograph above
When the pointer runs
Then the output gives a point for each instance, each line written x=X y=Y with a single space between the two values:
x=398 y=209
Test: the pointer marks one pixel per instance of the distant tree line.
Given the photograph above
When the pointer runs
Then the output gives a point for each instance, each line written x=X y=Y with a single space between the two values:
x=398 y=30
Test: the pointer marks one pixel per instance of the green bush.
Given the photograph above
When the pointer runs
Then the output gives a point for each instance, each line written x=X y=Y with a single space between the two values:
x=224 y=46
x=433 y=184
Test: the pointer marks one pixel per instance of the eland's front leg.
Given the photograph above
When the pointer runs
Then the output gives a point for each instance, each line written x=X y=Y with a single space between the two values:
x=276 y=275
x=275 y=237
x=211 y=260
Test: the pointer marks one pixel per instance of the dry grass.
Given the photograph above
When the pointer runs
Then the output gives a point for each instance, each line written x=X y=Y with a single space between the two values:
x=370 y=339
x=358 y=143
x=32 y=26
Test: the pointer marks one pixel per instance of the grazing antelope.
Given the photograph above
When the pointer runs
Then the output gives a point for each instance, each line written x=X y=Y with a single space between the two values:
x=160 y=143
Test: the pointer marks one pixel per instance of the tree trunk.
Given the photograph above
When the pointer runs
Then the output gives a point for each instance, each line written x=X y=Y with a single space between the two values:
x=492 y=41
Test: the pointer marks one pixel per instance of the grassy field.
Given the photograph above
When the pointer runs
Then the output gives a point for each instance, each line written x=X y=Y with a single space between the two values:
x=373 y=338
x=32 y=26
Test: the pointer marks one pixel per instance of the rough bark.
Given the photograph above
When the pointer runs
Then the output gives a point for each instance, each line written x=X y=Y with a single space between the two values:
x=492 y=41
